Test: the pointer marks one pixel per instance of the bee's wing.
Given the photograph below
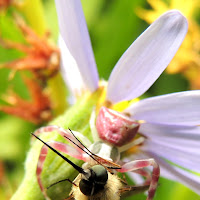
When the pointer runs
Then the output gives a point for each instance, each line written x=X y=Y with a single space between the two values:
x=106 y=163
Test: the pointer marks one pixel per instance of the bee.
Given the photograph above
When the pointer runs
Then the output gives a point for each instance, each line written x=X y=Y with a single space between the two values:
x=97 y=179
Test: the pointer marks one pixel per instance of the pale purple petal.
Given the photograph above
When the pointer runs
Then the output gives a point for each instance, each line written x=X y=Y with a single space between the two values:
x=147 y=57
x=71 y=75
x=184 y=157
x=177 y=143
x=177 y=108
x=138 y=179
x=74 y=31
x=171 y=172
x=185 y=138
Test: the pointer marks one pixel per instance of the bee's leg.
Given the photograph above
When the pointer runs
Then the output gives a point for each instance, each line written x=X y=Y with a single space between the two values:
x=140 y=164
x=128 y=191
x=69 y=150
x=71 y=197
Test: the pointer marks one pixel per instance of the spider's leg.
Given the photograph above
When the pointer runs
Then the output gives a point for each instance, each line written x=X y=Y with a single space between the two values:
x=66 y=134
x=69 y=150
x=93 y=128
x=144 y=173
x=140 y=164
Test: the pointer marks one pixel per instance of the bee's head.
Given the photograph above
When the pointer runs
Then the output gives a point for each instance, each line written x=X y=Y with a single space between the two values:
x=94 y=181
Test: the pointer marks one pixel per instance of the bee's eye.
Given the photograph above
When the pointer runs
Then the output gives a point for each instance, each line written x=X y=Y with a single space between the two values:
x=96 y=182
x=101 y=174
x=86 y=187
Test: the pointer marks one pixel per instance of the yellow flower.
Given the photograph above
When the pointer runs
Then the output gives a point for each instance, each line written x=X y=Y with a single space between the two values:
x=187 y=60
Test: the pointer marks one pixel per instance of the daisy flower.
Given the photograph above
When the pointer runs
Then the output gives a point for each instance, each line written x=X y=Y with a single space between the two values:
x=168 y=124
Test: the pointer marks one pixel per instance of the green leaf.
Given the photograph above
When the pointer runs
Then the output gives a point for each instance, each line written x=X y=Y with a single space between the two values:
x=55 y=169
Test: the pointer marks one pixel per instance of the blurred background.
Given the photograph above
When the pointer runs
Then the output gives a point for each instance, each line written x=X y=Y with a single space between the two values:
x=113 y=25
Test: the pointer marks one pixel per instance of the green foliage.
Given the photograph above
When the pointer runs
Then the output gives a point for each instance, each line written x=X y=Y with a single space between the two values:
x=55 y=169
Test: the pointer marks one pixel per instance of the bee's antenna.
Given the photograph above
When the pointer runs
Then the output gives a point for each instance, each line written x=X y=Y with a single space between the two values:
x=76 y=167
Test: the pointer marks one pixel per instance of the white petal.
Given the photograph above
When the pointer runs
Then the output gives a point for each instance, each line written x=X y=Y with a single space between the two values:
x=147 y=57
x=189 y=179
x=177 y=108
x=71 y=74
x=74 y=31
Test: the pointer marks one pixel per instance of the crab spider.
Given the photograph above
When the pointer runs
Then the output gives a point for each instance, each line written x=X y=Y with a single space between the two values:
x=99 y=159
